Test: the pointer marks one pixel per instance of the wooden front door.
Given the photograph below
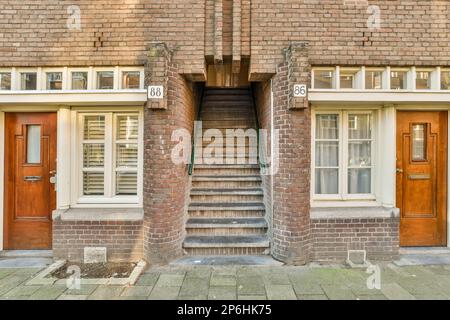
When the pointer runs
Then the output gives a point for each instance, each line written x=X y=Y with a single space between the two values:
x=422 y=177
x=30 y=168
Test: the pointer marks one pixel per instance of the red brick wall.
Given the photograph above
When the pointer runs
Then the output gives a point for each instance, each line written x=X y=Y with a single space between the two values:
x=332 y=238
x=166 y=184
x=291 y=192
x=122 y=239
x=35 y=33
x=412 y=32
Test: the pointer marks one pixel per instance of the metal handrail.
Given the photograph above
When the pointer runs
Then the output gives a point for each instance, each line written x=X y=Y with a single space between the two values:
x=197 y=118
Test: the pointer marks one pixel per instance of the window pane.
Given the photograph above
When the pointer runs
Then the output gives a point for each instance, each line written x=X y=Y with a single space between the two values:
x=93 y=155
x=105 y=80
x=79 y=80
x=28 y=81
x=323 y=79
x=359 y=153
x=93 y=183
x=423 y=80
x=347 y=79
x=398 y=79
x=327 y=154
x=127 y=155
x=54 y=81
x=127 y=127
x=5 y=81
x=126 y=183
x=359 y=181
x=326 y=181
x=131 y=80
x=94 y=127
x=419 y=143
x=445 y=80
x=33 y=144
x=359 y=126
x=374 y=80
x=327 y=126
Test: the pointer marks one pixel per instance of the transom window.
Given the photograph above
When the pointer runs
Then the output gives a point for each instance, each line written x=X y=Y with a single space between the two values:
x=109 y=156
x=343 y=155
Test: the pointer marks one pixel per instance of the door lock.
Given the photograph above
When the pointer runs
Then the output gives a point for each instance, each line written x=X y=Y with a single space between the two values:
x=399 y=170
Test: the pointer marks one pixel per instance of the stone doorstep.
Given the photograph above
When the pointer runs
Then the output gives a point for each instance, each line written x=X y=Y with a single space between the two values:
x=40 y=278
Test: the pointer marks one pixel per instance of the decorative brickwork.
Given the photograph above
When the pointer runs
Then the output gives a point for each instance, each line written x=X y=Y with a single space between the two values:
x=122 y=239
x=165 y=183
x=333 y=237
x=291 y=192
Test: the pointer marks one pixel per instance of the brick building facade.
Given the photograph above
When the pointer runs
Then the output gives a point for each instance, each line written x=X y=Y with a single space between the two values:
x=330 y=175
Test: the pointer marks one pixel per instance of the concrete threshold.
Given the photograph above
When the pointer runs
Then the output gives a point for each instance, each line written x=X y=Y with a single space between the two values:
x=259 y=260
x=416 y=256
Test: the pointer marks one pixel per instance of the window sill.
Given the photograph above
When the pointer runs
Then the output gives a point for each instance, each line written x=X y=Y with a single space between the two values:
x=354 y=212
x=100 y=214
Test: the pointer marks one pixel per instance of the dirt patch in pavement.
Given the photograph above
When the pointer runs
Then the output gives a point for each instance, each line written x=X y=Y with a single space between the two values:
x=96 y=270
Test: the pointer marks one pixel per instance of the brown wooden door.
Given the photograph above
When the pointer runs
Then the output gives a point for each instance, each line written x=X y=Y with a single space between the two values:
x=30 y=164
x=422 y=177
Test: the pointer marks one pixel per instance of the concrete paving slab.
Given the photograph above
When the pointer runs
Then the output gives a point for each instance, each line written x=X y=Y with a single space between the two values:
x=21 y=291
x=48 y=293
x=106 y=293
x=137 y=291
x=393 y=291
x=280 y=292
x=222 y=280
x=338 y=292
x=228 y=260
x=312 y=297
x=222 y=293
x=25 y=262
x=170 y=280
x=252 y=298
x=148 y=279
x=164 y=293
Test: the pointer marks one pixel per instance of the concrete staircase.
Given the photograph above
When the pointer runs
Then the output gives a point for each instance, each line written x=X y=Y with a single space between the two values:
x=226 y=212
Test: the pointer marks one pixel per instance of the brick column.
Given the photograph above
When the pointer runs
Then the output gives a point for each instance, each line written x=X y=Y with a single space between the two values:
x=165 y=183
x=291 y=193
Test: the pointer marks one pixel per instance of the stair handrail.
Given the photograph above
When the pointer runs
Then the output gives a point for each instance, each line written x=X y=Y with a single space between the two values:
x=194 y=136
x=261 y=147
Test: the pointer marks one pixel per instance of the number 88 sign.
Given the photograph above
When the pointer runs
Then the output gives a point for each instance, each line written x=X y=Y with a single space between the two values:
x=155 y=92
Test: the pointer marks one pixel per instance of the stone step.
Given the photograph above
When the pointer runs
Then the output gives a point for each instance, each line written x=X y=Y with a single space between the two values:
x=207 y=104
x=226 y=226
x=227 y=91
x=225 y=213
x=239 y=260
x=240 y=95
x=228 y=115
x=233 y=183
x=256 y=241
x=208 y=223
x=226 y=170
x=235 y=206
x=217 y=178
x=226 y=195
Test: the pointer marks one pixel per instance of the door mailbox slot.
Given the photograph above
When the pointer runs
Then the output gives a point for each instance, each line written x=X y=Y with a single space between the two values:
x=32 y=178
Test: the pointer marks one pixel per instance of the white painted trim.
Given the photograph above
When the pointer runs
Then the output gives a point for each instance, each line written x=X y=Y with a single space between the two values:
x=63 y=161
x=387 y=158
x=74 y=97
x=378 y=96
x=108 y=200
x=343 y=198
x=2 y=168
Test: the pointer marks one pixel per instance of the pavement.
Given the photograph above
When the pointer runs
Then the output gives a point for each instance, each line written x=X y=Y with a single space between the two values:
x=185 y=282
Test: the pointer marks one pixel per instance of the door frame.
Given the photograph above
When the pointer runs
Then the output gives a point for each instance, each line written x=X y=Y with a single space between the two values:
x=429 y=108
x=62 y=154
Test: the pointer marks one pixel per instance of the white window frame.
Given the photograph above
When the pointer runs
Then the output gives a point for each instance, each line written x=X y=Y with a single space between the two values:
x=109 y=199
x=343 y=194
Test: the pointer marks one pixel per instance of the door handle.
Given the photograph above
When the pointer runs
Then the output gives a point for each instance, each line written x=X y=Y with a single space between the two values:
x=398 y=170
x=32 y=178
